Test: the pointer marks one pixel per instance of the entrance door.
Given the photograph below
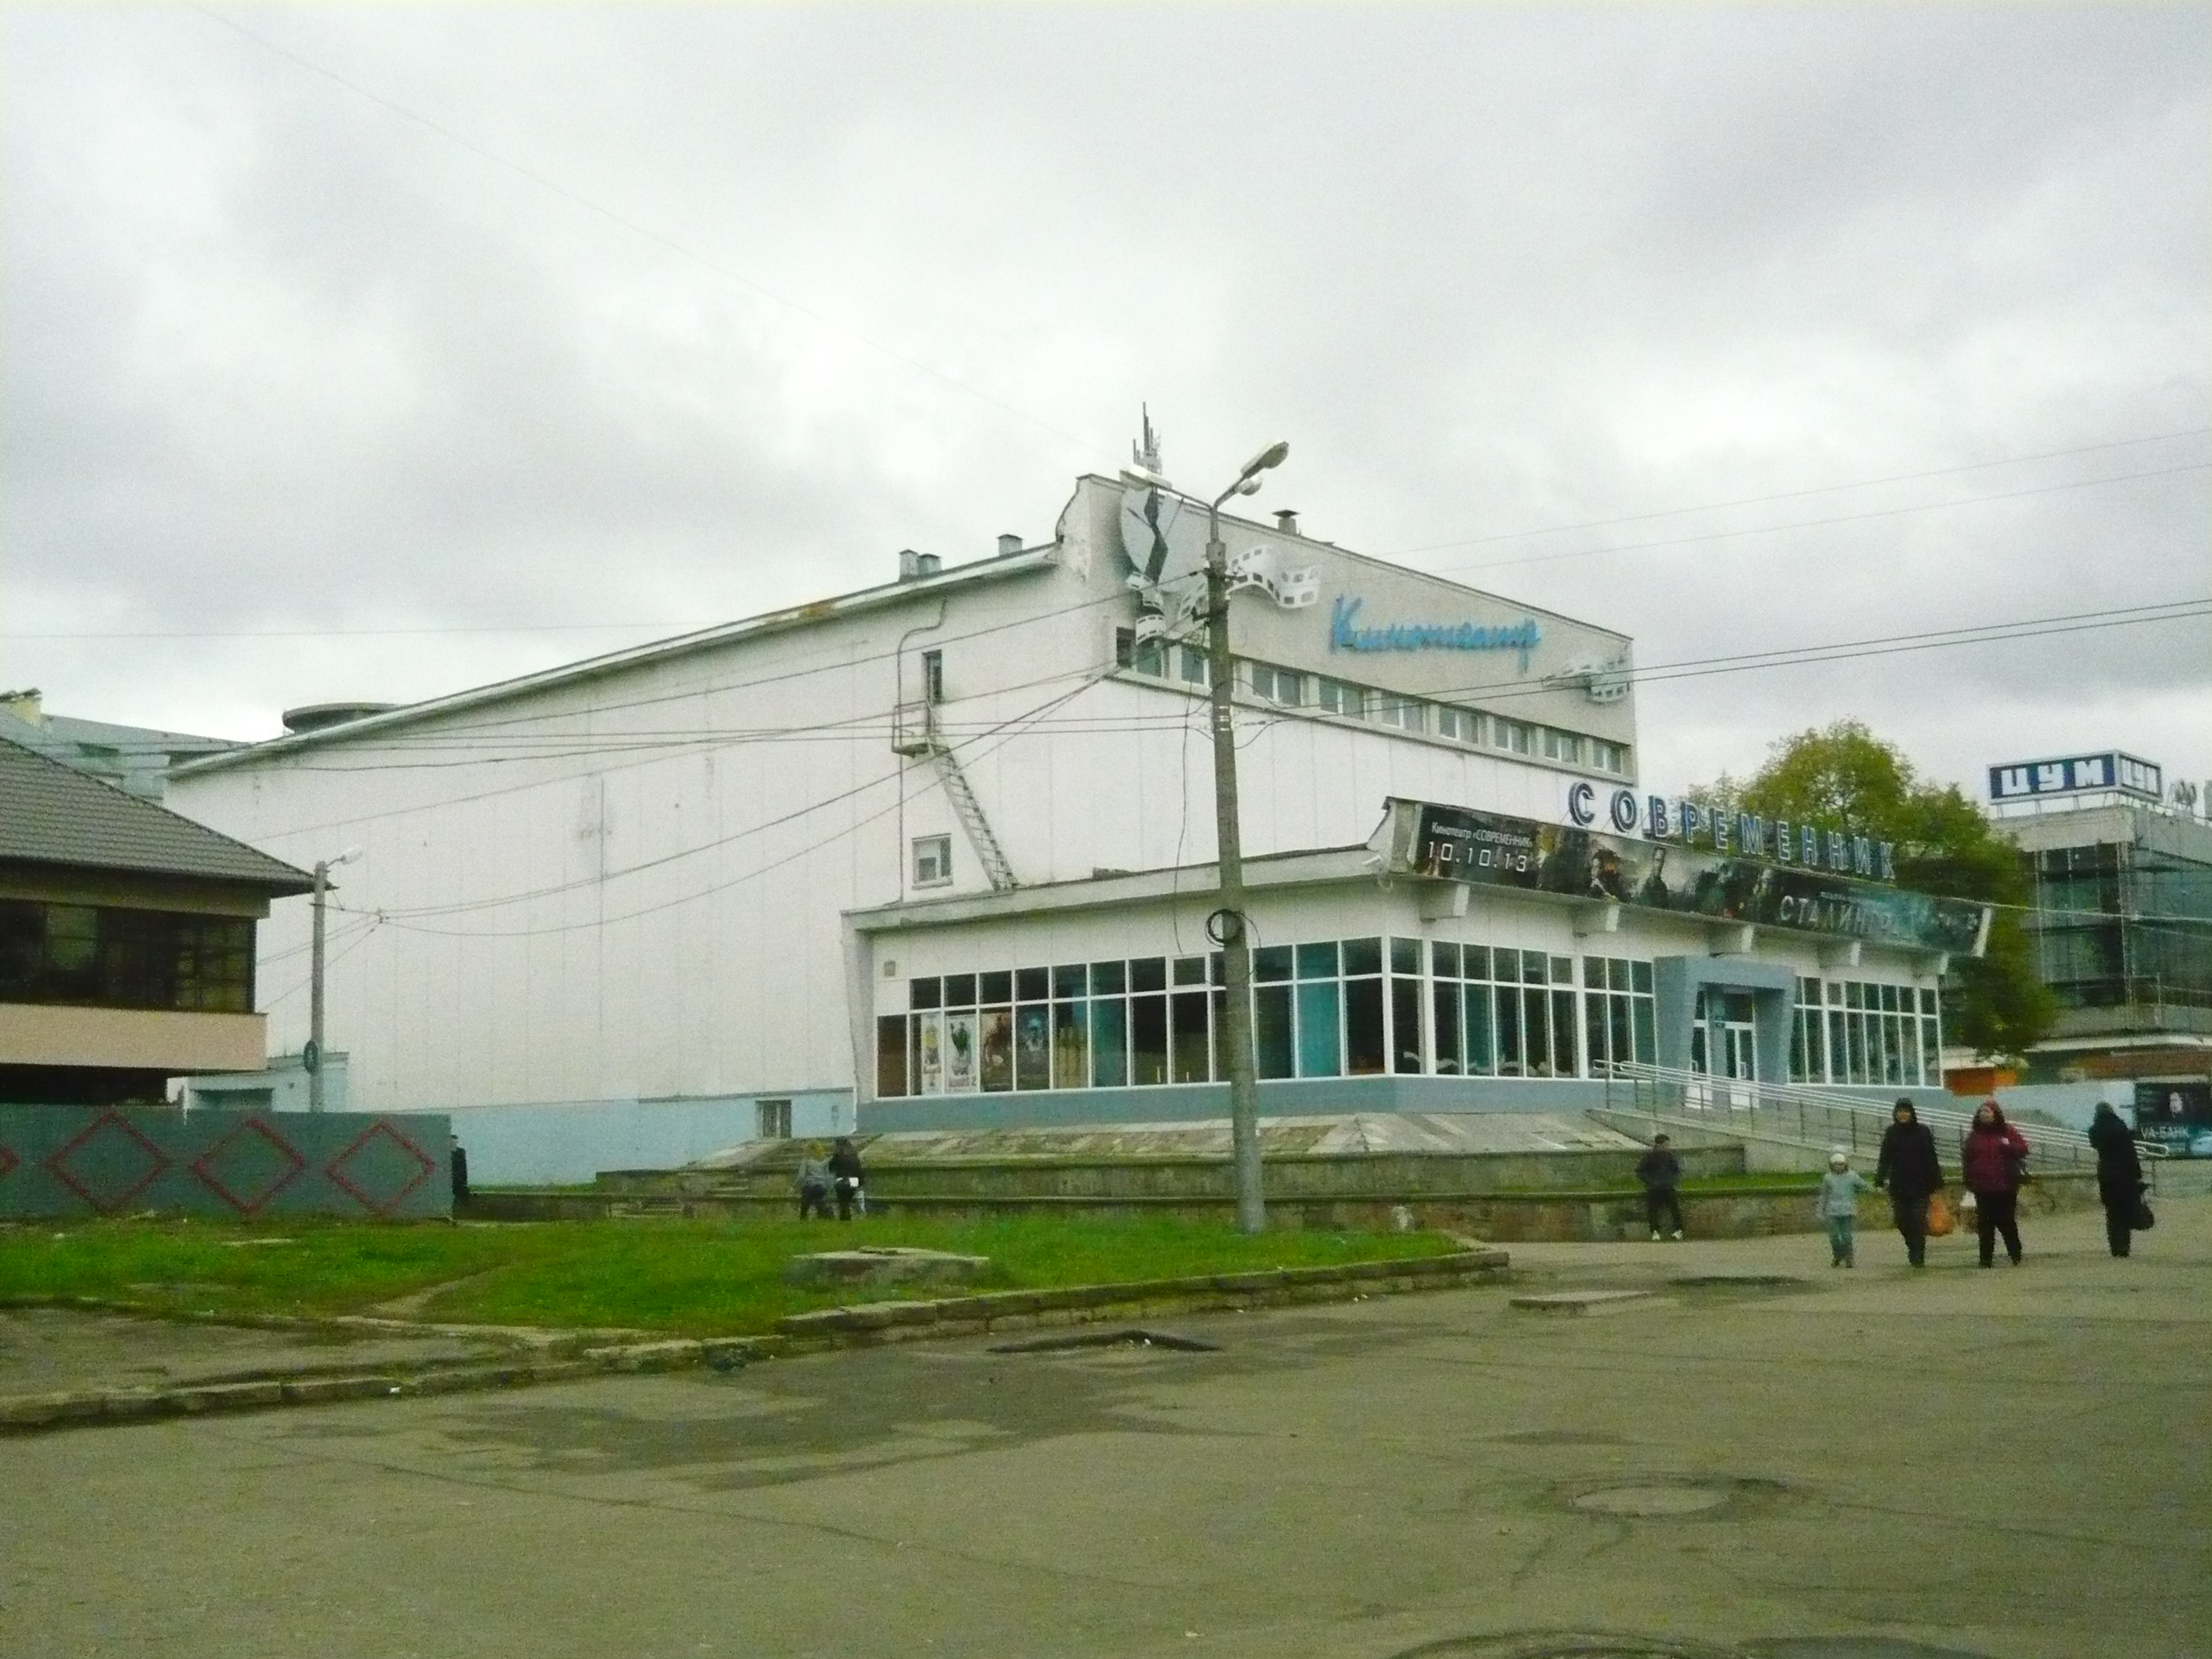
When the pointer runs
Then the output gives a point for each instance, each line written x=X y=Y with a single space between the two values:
x=1724 y=1045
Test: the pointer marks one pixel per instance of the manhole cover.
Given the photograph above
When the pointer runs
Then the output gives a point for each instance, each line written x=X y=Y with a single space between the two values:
x=1074 y=1341
x=1654 y=1499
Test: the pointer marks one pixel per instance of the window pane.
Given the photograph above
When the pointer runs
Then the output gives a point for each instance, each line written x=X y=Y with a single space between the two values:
x=924 y=993
x=1190 y=970
x=1317 y=1028
x=1445 y=1005
x=1032 y=984
x=1071 y=1053
x=1481 y=1053
x=1363 y=956
x=1619 y=1044
x=1639 y=978
x=1475 y=962
x=1271 y=962
x=1069 y=982
x=1405 y=1024
x=1594 y=1044
x=1110 y=1043
x=1565 y=1062
x=1363 y=1027
x=1191 y=1065
x=1444 y=960
x=994 y=987
x=1033 y=1047
x=1148 y=974
x=960 y=990
x=1647 y=1042
x=1148 y=1040
x=1317 y=962
x=1273 y=1055
x=890 y=1055
x=1405 y=956
x=1108 y=978
x=1509 y=1063
x=997 y=1043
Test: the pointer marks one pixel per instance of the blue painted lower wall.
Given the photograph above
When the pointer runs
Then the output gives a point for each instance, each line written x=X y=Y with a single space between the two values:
x=564 y=1143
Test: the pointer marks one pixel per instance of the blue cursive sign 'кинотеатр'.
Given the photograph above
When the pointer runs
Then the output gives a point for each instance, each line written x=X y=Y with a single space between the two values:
x=1346 y=635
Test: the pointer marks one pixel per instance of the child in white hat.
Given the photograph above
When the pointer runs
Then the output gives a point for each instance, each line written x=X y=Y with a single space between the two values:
x=1839 y=1204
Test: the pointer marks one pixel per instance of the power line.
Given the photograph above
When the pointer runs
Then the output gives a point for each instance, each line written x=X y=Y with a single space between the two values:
x=1815 y=523
x=1796 y=495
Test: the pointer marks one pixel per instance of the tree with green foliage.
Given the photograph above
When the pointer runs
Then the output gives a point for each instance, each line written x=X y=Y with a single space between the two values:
x=1847 y=777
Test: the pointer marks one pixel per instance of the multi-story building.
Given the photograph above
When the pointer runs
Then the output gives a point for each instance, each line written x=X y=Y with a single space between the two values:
x=127 y=940
x=939 y=852
x=2122 y=922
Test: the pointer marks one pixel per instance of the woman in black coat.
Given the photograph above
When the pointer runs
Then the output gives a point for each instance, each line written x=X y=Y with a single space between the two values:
x=1908 y=1167
x=2119 y=1176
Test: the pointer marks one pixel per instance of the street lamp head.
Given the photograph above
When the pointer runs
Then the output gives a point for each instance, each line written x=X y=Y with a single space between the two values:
x=1265 y=461
x=346 y=857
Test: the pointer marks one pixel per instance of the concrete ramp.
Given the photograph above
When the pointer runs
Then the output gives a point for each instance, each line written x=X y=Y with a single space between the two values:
x=1352 y=1132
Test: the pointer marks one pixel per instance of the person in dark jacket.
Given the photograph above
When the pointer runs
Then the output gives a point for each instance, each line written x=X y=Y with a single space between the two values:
x=811 y=1179
x=1661 y=1172
x=845 y=1176
x=2119 y=1176
x=1908 y=1169
x=460 y=1167
x=1993 y=1164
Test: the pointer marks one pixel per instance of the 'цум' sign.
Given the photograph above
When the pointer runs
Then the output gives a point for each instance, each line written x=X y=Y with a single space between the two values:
x=1344 y=634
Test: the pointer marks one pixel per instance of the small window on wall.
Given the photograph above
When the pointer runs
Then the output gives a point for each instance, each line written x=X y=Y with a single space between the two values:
x=1609 y=756
x=773 y=1119
x=1192 y=666
x=1460 y=725
x=1563 y=746
x=932 y=677
x=1278 y=685
x=1404 y=713
x=1335 y=697
x=933 y=861
x=1513 y=735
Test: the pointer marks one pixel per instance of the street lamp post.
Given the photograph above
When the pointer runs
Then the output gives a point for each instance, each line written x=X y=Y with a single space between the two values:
x=312 y=1057
x=1235 y=941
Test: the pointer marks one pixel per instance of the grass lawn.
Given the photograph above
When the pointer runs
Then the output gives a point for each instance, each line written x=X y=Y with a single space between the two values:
x=687 y=1278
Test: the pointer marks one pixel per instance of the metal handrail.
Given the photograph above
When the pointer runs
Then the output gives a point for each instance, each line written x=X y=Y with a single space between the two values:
x=1722 y=1094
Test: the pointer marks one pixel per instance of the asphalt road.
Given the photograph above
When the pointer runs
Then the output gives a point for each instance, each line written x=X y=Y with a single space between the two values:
x=1875 y=1464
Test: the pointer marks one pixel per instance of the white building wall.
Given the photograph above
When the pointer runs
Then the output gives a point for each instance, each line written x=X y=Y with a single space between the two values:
x=626 y=884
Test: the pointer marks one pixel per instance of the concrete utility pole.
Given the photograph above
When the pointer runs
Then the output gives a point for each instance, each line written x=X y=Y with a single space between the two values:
x=311 y=1058
x=1234 y=937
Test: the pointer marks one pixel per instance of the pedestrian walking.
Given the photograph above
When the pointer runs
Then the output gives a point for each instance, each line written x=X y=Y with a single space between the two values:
x=1993 y=1162
x=813 y=1180
x=846 y=1175
x=2120 y=1183
x=1839 y=1206
x=1908 y=1170
x=1661 y=1172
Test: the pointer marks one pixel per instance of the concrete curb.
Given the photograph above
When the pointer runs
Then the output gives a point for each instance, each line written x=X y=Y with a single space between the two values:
x=568 y=1356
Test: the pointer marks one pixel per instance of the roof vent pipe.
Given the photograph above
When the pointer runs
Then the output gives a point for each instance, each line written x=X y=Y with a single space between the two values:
x=909 y=564
x=1009 y=543
x=1286 y=521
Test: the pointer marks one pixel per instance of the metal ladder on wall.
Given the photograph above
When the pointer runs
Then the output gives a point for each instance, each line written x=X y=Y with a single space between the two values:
x=914 y=732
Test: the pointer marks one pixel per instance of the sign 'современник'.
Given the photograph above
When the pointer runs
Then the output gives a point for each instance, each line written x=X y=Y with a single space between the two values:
x=1490 y=849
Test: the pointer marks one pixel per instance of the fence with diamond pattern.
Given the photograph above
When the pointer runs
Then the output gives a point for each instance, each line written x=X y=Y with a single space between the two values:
x=76 y=1161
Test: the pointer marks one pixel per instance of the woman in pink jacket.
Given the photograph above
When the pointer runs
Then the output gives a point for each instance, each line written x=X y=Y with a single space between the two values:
x=1995 y=1160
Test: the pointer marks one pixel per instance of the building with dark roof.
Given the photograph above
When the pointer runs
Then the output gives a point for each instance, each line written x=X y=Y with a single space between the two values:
x=133 y=758
x=127 y=939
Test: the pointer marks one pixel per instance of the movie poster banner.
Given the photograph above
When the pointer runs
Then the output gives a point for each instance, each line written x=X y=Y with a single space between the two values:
x=1490 y=850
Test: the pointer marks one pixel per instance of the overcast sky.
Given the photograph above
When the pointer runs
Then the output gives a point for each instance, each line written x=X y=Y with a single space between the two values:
x=424 y=321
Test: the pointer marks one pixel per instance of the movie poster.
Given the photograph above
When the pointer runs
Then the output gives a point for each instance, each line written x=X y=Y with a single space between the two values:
x=1492 y=850
x=998 y=1048
x=1033 y=1047
x=959 y=1053
x=929 y=1054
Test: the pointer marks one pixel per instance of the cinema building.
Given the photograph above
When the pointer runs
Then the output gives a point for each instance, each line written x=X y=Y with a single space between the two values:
x=938 y=853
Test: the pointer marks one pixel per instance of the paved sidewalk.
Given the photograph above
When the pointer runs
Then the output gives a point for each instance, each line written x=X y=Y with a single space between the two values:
x=2008 y=1464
